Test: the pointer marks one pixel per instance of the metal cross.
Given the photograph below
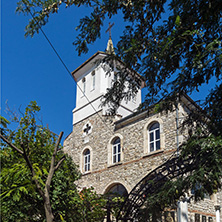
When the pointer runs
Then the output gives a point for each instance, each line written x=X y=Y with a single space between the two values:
x=87 y=129
x=109 y=29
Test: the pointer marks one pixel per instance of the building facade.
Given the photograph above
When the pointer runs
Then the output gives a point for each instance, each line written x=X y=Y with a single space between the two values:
x=116 y=152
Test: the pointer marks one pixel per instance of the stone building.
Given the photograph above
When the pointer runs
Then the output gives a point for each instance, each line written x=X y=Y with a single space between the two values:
x=115 y=152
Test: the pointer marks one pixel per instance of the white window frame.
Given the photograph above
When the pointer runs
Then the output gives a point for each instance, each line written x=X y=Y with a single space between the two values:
x=93 y=75
x=151 y=120
x=116 y=151
x=155 y=140
x=110 y=158
x=84 y=85
x=86 y=160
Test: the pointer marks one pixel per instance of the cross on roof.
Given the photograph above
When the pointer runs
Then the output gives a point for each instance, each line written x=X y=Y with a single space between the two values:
x=87 y=129
x=109 y=29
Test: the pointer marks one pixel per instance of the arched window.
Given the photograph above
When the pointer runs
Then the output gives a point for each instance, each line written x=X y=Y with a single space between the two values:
x=86 y=160
x=116 y=150
x=154 y=137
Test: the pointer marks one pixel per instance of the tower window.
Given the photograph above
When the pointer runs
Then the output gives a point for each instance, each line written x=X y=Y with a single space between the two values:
x=93 y=80
x=154 y=137
x=116 y=151
x=84 y=85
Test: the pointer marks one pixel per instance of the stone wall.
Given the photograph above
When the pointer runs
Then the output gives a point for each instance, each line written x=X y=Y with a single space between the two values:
x=136 y=161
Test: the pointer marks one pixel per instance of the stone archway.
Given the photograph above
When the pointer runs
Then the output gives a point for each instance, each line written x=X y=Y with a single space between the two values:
x=113 y=192
x=116 y=189
x=152 y=183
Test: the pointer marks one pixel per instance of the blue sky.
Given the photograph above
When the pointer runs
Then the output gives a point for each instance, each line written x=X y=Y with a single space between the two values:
x=30 y=70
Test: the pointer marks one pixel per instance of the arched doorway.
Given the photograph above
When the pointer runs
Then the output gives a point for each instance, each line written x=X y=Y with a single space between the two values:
x=115 y=193
x=116 y=189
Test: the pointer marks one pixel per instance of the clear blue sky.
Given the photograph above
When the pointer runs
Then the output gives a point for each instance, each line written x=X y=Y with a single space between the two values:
x=30 y=70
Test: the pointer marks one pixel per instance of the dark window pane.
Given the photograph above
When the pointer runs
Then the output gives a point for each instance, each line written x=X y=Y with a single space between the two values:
x=151 y=137
x=151 y=147
x=114 y=150
x=197 y=217
x=119 y=190
x=116 y=141
x=157 y=134
x=154 y=126
x=210 y=219
x=114 y=159
x=157 y=145
x=204 y=218
x=119 y=148
x=118 y=158
x=86 y=152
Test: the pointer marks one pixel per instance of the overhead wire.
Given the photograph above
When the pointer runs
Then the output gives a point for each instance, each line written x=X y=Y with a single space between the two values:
x=67 y=69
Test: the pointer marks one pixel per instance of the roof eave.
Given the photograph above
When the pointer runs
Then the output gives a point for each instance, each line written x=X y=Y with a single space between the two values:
x=86 y=62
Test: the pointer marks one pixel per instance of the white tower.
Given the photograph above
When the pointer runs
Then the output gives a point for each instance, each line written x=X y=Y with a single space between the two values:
x=92 y=83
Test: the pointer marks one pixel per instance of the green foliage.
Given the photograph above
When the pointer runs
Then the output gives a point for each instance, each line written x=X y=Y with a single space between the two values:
x=4 y=126
x=174 y=57
x=4 y=121
x=20 y=200
x=91 y=206
x=203 y=178
x=116 y=203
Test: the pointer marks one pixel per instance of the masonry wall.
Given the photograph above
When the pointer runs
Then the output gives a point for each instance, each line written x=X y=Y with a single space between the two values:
x=136 y=161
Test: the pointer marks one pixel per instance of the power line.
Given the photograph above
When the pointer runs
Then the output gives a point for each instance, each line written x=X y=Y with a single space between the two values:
x=61 y=60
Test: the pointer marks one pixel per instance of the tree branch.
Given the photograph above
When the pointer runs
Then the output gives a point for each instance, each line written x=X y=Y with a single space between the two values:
x=52 y=166
x=60 y=162
x=57 y=143
x=33 y=173
x=11 y=145
x=47 y=203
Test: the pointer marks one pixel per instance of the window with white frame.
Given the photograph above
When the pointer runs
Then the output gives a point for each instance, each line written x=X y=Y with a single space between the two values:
x=116 y=150
x=84 y=85
x=86 y=160
x=93 y=79
x=154 y=137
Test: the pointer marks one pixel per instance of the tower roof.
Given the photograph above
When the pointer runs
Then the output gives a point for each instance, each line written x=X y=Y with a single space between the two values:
x=110 y=48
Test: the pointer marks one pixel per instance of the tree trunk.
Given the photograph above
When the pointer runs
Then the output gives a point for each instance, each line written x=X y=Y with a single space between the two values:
x=47 y=206
x=48 y=213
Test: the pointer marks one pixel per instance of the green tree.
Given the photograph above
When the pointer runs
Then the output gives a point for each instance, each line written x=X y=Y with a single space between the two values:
x=174 y=56
x=176 y=46
x=37 y=178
